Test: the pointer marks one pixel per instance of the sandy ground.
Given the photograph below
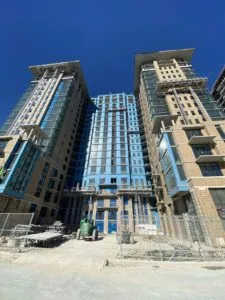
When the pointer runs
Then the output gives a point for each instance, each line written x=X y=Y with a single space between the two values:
x=75 y=270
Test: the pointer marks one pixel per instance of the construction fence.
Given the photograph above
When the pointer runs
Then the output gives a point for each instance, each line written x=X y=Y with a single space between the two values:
x=14 y=228
x=171 y=238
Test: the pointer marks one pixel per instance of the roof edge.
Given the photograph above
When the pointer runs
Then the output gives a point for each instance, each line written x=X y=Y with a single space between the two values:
x=142 y=58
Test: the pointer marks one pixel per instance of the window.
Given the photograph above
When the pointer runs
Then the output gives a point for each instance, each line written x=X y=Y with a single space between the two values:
x=125 y=215
x=112 y=202
x=32 y=208
x=218 y=196
x=124 y=180
x=56 y=198
x=3 y=144
x=171 y=139
x=91 y=182
x=125 y=200
x=201 y=150
x=47 y=196
x=210 y=169
x=123 y=169
x=193 y=132
x=93 y=169
x=113 y=180
x=51 y=184
x=100 y=203
x=54 y=172
x=220 y=131
x=102 y=180
x=100 y=215
x=112 y=215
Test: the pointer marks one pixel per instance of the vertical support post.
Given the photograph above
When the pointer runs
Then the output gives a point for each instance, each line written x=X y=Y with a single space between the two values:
x=3 y=227
x=89 y=206
x=31 y=219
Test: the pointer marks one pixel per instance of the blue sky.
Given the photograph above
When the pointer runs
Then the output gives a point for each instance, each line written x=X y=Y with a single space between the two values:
x=104 y=35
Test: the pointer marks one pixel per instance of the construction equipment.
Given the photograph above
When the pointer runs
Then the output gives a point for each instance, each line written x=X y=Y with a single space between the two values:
x=87 y=230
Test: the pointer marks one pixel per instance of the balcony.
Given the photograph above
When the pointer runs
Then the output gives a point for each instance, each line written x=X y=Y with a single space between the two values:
x=79 y=189
x=207 y=158
x=34 y=130
x=129 y=189
x=167 y=119
x=199 y=82
x=155 y=175
x=201 y=140
x=193 y=126
x=107 y=192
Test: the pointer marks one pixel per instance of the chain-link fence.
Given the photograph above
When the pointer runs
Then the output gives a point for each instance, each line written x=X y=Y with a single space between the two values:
x=14 y=228
x=171 y=238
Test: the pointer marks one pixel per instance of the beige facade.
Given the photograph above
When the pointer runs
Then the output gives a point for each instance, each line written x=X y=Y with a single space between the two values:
x=48 y=120
x=175 y=101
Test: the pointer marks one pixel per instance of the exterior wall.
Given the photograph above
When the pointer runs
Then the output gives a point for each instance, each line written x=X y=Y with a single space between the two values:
x=174 y=100
x=107 y=163
x=218 y=90
x=47 y=116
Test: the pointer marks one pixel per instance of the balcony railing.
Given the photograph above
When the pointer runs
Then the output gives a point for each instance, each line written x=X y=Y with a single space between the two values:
x=208 y=139
x=197 y=81
x=207 y=158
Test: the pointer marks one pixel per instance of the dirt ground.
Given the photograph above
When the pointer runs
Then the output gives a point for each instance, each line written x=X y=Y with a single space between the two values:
x=77 y=270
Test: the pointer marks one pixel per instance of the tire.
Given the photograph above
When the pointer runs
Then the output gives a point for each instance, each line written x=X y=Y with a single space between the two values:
x=78 y=234
x=94 y=235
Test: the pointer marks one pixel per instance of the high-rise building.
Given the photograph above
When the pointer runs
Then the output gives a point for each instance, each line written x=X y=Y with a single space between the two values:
x=184 y=129
x=218 y=90
x=108 y=176
x=117 y=157
x=37 y=138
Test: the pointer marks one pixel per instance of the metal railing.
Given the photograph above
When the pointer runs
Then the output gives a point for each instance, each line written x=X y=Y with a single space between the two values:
x=14 y=228
x=171 y=238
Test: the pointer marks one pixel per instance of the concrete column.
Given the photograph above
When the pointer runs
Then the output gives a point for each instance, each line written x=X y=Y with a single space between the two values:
x=106 y=219
x=74 y=203
x=165 y=222
x=170 y=220
x=140 y=214
x=36 y=214
x=94 y=209
x=131 y=215
x=119 y=219
x=200 y=105
x=67 y=211
x=157 y=70
x=150 y=218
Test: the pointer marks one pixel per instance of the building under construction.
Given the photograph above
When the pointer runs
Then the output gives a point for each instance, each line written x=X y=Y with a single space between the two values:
x=36 y=141
x=160 y=151
x=109 y=174
x=183 y=125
